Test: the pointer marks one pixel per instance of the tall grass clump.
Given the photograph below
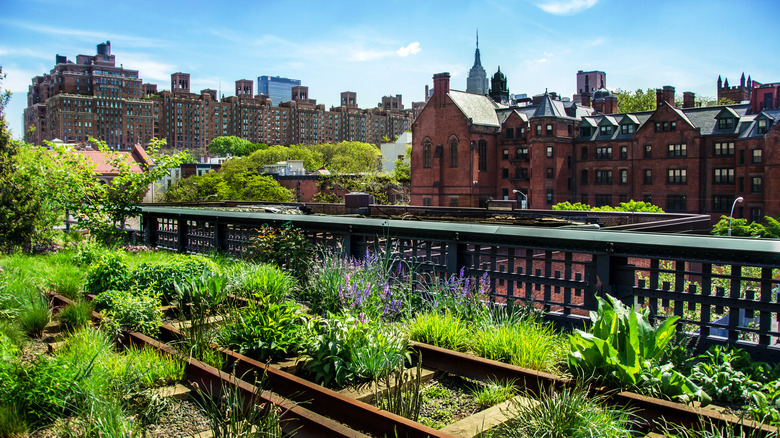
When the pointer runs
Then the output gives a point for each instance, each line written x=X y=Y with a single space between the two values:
x=34 y=316
x=493 y=392
x=263 y=282
x=527 y=343
x=565 y=413
x=443 y=330
x=76 y=315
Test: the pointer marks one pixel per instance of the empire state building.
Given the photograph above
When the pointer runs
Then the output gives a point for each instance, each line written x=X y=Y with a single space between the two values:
x=477 y=81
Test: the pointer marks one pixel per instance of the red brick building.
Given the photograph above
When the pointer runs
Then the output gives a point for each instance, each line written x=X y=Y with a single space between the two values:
x=468 y=149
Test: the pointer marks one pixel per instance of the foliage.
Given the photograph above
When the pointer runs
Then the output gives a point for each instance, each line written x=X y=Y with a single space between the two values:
x=724 y=374
x=350 y=157
x=635 y=101
x=764 y=403
x=401 y=395
x=160 y=277
x=566 y=413
x=89 y=252
x=528 y=344
x=230 y=145
x=263 y=282
x=139 y=313
x=623 y=348
x=441 y=329
x=494 y=392
x=34 y=317
x=740 y=227
x=402 y=171
x=460 y=294
x=633 y=206
x=286 y=247
x=376 y=185
x=268 y=331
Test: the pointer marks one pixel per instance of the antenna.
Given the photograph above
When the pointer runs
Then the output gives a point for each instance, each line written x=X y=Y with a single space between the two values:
x=477 y=38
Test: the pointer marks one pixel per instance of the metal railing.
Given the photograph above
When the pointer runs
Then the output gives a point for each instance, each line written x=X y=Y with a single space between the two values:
x=725 y=290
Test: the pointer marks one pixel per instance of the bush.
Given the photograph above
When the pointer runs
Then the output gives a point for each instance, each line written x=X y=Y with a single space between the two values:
x=265 y=332
x=286 y=247
x=160 y=277
x=110 y=271
x=139 y=313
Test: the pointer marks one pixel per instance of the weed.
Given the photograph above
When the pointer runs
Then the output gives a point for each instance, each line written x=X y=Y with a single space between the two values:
x=493 y=393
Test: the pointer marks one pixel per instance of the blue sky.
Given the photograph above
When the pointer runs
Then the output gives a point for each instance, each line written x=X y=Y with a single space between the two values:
x=389 y=47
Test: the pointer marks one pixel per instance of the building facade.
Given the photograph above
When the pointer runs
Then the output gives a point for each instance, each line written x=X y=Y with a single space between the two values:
x=468 y=149
x=277 y=88
x=94 y=98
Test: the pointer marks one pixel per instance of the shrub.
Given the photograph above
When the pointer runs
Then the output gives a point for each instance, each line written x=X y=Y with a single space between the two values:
x=89 y=252
x=110 y=271
x=443 y=330
x=264 y=282
x=139 y=313
x=286 y=247
x=160 y=277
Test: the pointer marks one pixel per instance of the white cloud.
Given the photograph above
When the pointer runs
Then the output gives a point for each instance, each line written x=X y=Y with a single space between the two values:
x=86 y=35
x=149 y=70
x=411 y=49
x=566 y=7
x=17 y=81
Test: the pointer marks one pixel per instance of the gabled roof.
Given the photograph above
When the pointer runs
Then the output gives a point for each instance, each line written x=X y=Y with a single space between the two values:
x=481 y=110
x=727 y=112
x=550 y=108
x=504 y=115
x=706 y=118
x=751 y=126
x=588 y=121
x=629 y=119
x=608 y=121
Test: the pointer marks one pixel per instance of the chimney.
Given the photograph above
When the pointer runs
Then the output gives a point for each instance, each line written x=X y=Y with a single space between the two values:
x=669 y=94
x=585 y=98
x=441 y=87
x=659 y=97
x=610 y=105
x=688 y=99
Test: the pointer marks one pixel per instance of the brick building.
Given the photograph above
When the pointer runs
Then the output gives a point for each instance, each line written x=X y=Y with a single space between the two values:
x=468 y=149
x=94 y=98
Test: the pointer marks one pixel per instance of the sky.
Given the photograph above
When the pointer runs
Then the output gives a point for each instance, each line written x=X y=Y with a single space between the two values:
x=390 y=47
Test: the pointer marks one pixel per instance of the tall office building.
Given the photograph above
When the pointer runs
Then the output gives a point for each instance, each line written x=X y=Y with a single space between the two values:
x=277 y=88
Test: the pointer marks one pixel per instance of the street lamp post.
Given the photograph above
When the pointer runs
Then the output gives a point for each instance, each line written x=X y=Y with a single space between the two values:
x=731 y=215
x=525 y=198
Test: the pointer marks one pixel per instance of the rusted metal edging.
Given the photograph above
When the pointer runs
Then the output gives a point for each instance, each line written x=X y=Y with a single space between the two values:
x=650 y=409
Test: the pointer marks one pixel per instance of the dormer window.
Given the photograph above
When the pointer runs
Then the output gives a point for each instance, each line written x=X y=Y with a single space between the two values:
x=585 y=131
x=627 y=129
x=762 y=126
x=727 y=123
x=605 y=130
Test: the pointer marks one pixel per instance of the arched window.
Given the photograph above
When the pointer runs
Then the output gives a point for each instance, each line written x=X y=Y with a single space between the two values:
x=427 y=153
x=453 y=151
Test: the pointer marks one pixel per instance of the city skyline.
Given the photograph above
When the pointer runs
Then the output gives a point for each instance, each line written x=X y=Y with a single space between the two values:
x=395 y=48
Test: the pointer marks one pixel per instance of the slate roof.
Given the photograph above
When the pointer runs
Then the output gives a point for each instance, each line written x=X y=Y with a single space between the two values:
x=479 y=108
x=750 y=122
x=705 y=118
x=503 y=115
x=550 y=108
x=614 y=120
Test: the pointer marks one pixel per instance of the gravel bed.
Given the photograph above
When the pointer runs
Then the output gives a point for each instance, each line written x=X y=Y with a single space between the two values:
x=446 y=400
x=184 y=420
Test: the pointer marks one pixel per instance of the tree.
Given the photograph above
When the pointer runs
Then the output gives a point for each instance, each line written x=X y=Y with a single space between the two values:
x=637 y=101
x=235 y=146
x=402 y=171
x=350 y=157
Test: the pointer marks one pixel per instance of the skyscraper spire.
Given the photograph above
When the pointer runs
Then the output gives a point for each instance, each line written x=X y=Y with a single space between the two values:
x=477 y=82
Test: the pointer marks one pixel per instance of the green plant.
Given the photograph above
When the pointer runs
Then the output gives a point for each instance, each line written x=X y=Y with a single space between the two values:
x=14 y=333
x=66 y=280
x=764 y=404
x=76 y=315
x=385 y=348
x=328 y=353
x=565 y=413
x=527 y=343
x=440 y=329
x=134 y=312
x=264 y=282
x=265 y=332
x=707 y=429
x=493 y=392
x=12 y=420
x=160 y=276
x=233 y=415
x=398 y=391
x=623 y=348
x=286 y=247
x=198 y=298
x=721 y=373
x=110 y=271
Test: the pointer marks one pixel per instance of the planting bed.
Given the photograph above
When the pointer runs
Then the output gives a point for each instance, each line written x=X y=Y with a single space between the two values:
x=316 y=391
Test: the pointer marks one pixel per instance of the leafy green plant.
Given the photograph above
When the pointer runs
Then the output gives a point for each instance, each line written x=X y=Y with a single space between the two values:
x=493 y=392
x=160 y=276
x=623 y=348
x=286 y=247
x=721 y=372
x=134 y=312
x=76 y=315
x=398 y=391
x=14 y=333
x=565 y=413
x=89 y=252
x=443 y=330
x=764 y=404
x=460 y=294
x=198 y=299
x=265 y=332
x=110 y=271
x=264 y=282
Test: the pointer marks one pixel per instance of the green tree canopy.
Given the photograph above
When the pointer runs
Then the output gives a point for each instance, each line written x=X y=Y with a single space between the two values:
x=636 y=206
x=635 y=101
x=235 y=146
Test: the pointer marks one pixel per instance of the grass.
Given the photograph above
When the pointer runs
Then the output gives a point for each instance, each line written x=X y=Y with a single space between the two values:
x=493 y=393
x=527 y=344
x=263 y=282
x=76 y=315
x=34 y=317
x=565 y=413
x=441 y=330
x=12 y=421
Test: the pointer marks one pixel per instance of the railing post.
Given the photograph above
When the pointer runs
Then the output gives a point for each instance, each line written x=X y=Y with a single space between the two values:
x=181 y=228
x=220 y=236
x=615 y=277
x=456 y=256
x=150 y=229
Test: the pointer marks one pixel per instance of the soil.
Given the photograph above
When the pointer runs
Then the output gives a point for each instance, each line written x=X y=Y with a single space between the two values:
x=446 y=400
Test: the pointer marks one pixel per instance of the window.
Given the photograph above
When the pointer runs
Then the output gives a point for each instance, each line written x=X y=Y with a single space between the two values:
x=584 y=176
x=603 y=177
x=505 y=172
x=724 y=176
x=550 y=173
x=427 y=153
x=538 y=130
x=676 y=203
x=549 y=151
x=755 y=215
x=603 y=199
x=678 y=150
x=604 y=153
x=756 y=184
x=623 y=152
x=627 y=129
x=453 y=152
x=665 y=126
x=605 y=130
x=505 y=194
x=584 y=154
x=648 y=151
x=724 y=149
x=427 y=202
x=585 y=131
x=741 y=187
x=482 y=152
x=727 y=123
x=454 y=201
x=761 y=127
x=623 y=176
x=648 y=199
x=657 y=126
x=677 y=176
x=510 y=132
x=505 y=154
x=672 y=126
x=721 y=203
x=549 y=196
x=521 y=153
x=756 y=156
x=648 y=176
x=549 y=129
